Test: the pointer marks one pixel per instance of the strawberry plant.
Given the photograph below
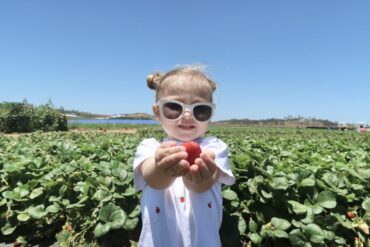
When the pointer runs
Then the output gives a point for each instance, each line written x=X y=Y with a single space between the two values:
x=293 y=188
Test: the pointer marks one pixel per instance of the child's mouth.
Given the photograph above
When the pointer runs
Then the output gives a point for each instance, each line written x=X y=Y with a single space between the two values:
x=186 y=127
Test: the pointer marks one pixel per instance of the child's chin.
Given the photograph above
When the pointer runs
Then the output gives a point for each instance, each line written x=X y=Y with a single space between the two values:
x=185 y=138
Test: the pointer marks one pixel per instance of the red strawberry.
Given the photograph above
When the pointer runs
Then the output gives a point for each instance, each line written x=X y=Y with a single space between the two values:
x=17 y=244
x=193 y=150
x=351 y=214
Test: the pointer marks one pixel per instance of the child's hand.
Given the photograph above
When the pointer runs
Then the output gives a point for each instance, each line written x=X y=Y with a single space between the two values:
x=203 y=169
x=171 y=159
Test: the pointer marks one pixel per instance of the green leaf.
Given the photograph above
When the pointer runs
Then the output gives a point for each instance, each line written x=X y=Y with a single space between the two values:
x=242 y=225
x=131 y=224
x=308 y=182
x=229 y=195
x=135 y=213
x=102 y=195
x=130 y=191
x=297 y=238
x=17 y=194
x=23 y=217
x=36 y=192
x=234 y=204
x=112 y=214
x=253 y=227
x=54 y=199
x=101 y=229
x=309 y=217
x=279 y=183
x=314 y=233
x=266 y=194
x=53 y=209
x=255 y=238
x=357 y=186
x=285 y=154
x=366 y=204
x=280 y=224
x=326 y=199
x=2 y=202
x=340 y=240
x=331 y=179
x=83 y=187
x=37 y=212
x=8 y=229
x=317 y=209
x=298 y=208
x=120 y=173
x=328 y=235
x=63 y=236
x=280 y=234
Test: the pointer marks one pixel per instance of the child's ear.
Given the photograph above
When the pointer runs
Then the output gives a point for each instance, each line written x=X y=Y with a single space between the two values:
x=155 y=109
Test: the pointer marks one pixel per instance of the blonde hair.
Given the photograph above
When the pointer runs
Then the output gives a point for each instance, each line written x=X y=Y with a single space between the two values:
x=157 y=80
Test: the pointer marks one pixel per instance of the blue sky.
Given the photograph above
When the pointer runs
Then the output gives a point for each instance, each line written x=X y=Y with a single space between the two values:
x=270 y=59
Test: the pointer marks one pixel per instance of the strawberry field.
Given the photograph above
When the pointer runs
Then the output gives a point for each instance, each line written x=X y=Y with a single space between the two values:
x=294 y=188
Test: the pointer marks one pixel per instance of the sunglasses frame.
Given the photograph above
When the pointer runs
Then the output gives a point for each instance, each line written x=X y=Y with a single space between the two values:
x=185 y=107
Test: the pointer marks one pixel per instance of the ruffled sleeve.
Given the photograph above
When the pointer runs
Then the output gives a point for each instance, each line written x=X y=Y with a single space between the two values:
x=222 y=160
x=145 y=150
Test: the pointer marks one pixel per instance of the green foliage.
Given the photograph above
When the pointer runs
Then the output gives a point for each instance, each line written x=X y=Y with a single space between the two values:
x=24 y=117
x=293 y=188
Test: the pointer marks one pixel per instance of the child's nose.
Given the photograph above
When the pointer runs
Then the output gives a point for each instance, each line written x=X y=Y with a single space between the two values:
x=187 y=115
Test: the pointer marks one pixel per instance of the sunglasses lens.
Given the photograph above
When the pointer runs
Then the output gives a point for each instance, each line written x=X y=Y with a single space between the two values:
x=172 y=110
x=202 y=112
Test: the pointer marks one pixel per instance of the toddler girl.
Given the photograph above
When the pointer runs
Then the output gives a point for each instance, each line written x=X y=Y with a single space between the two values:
x=181 y=203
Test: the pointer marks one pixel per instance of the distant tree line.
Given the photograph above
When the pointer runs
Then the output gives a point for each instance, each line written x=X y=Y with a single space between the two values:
x=24 y=117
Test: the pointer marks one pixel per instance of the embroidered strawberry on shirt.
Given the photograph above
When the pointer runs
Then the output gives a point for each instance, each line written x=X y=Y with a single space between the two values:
x=157 y=210
x=210 y=204
x=182 y=199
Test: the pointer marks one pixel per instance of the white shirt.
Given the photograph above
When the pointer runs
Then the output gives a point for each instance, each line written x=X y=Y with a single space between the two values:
x=176 y=216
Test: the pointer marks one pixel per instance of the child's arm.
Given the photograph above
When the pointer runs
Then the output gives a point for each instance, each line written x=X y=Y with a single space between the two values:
x=203 y=174
x=168 y=163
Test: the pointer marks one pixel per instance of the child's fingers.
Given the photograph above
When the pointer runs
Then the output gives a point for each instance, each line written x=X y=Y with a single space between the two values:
x=179 y=169
x=209 y=161
x=211 y=154
x=195 y=173
x=188 y=175
x=163 y=152
x=205 y=173
x=171 y=159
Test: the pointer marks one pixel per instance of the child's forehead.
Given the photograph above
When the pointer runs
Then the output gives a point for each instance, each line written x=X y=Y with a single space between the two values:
x=193 y=82
x=186 y=87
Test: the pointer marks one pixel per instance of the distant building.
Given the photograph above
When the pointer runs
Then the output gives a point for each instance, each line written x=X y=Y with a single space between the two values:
x=71 y=115
x=362 y=127
x=343 y=126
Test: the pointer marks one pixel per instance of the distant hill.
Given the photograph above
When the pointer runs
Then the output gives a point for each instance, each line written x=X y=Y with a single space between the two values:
x=286 y=122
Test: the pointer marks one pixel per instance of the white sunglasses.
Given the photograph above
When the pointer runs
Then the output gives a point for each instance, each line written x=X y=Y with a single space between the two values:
x=173 y=109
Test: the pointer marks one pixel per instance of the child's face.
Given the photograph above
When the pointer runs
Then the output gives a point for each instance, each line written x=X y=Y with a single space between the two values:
x=184 y=127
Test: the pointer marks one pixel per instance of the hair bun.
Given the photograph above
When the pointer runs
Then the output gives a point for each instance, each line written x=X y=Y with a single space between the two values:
x=153 y=80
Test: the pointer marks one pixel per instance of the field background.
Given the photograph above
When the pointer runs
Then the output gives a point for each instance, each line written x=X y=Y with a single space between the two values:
x=295 y=187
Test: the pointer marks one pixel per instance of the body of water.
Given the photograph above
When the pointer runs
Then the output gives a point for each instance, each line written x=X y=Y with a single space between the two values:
x=112 y=121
